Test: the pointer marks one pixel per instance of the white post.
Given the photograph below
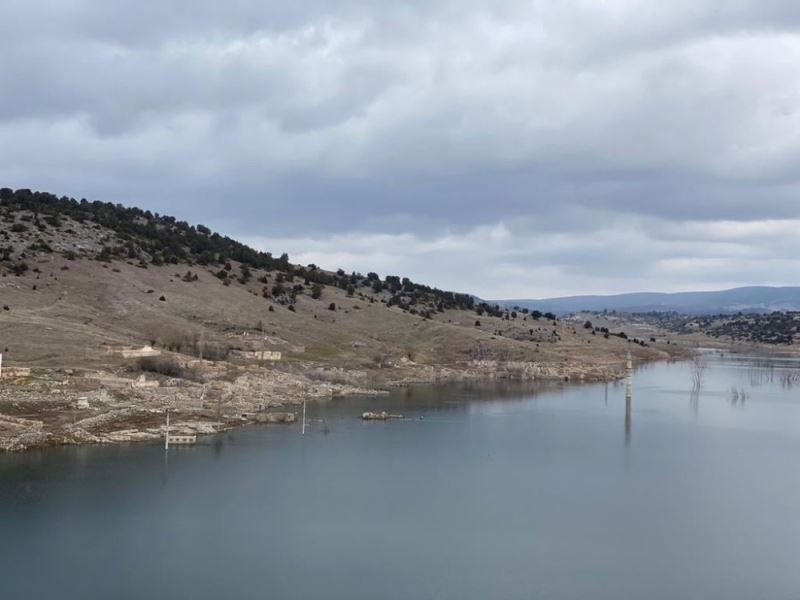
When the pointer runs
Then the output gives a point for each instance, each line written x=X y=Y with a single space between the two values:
x=1 y=366
x=628 y=395
x=629 y=379
x=166 y=438
x=303 y=431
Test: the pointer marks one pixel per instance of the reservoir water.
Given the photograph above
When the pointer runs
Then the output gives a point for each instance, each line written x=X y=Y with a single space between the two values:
x=492 y=491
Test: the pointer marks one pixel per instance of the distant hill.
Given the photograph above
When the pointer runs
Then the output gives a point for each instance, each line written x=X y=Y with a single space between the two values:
x=752 y=299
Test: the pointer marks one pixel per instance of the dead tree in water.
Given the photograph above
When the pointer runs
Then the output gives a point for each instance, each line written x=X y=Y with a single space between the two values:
x=789 y=378
x=738 y=395
x=698 y=370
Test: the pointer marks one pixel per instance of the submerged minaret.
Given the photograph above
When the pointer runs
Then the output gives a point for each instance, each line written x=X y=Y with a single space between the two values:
x=628 y=397
x=166 y=437
x=629 y=377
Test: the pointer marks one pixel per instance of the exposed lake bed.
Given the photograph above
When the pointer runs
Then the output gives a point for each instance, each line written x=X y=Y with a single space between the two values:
x=496 y=490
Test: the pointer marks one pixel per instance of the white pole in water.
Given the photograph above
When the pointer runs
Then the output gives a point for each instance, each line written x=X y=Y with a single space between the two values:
x=629 y=377
x=303 y=431
x=628 y=388
x=628 y=398
x=166 y=438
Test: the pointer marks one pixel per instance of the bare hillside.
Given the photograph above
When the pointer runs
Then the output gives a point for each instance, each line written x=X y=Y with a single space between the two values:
x=89 y=308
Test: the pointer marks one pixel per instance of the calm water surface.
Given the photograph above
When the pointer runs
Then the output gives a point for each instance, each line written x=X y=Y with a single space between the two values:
x=499 y=492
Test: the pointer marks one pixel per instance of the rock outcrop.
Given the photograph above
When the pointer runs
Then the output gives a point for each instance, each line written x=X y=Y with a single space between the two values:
x=379 y=416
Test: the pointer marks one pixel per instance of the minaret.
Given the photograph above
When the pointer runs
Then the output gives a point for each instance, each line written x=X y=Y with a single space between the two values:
x=629 y=378
x=628 y=397
x=166 y=438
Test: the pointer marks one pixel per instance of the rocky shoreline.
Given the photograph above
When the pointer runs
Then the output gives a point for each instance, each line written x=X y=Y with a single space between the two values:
x=61 y=407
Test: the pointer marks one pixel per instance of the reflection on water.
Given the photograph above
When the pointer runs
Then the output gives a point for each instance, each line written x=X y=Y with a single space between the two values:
x=165 y=472
x=738 y=396
x=694 y=400
x=627 y=420
x=483 y=491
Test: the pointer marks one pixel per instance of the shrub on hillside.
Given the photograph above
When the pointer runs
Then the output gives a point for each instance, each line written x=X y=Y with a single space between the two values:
x=19 y=268
x=163 y=365
x=210 y=351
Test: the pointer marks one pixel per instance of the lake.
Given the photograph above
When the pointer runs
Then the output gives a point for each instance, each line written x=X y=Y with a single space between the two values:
x=484 y=491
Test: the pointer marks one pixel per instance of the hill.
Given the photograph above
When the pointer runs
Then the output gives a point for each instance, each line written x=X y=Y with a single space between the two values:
x=109 y=315
x=774 y=328
x=754 y=299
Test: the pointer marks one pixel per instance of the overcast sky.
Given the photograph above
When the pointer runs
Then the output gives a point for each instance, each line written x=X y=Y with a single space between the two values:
x=529 y=149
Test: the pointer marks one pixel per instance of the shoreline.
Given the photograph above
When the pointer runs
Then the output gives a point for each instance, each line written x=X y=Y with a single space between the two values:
x=63 y=407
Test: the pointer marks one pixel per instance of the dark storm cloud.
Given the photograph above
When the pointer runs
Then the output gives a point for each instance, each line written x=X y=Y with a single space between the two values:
x=530 y=147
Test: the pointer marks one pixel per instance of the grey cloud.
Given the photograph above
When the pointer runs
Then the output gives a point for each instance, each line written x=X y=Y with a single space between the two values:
x=314 y=121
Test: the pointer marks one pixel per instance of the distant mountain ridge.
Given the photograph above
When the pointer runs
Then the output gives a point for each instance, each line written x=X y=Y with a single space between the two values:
x=754 y=299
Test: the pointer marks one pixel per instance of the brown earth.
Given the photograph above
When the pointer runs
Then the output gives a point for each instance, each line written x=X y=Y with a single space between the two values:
x=66 y=320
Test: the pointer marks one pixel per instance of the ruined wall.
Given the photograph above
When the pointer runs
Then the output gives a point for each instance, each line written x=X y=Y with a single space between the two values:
x=15 y=374
x=140 y=352
x=258 y=354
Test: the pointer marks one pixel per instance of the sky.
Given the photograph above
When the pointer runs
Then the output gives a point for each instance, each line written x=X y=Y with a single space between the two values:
x=511 y=149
